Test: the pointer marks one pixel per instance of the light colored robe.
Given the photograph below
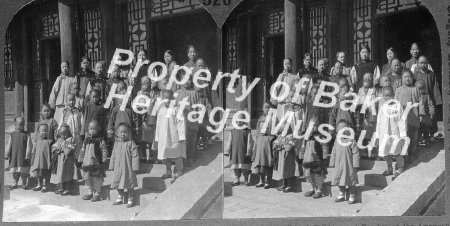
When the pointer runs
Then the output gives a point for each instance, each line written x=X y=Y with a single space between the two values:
x=170 y=134
x=74 y=118
x=291 y=80
x=390 y=126
x=57 y=99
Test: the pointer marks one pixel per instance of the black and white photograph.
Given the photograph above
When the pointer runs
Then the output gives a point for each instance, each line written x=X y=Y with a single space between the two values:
x=81 y=156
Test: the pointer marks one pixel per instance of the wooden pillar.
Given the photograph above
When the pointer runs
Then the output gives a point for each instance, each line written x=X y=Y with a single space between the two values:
x=333 y=36
x=68 y=34
x=290 y=32
x=219 y=36
x=346 y=37
x=250 y=61
x=25 y=72
x=16 y=46
x=107 y=9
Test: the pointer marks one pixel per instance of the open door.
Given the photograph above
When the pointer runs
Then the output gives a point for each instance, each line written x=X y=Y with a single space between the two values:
x=50 y=69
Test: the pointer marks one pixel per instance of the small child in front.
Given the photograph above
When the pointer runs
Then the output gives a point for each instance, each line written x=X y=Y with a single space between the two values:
x=345 y=160
x=41 y=162
x=239 y=148
x=52 y=124
x=18 y=152
x=124 y=163
x=388 y=126
x=64 y=153
x=93 y=157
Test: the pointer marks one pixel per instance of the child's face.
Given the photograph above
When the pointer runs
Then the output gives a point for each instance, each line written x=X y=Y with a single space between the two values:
x=84 y=64
x=200 y=63
x=64 y=68
x=420 y=85
x=43 y=131
x=192 y=53
x=407 y=78
x=364 y=54
x=70 y=100
x=338 y=69
x=423 y=63
x=99 y=68
x=120 y=86
x=367 y=84
x=93 y=129
x=167 y=95
x=145 y=83
x=341 y=58
x=167 y=58
x=313 y=92
x=307 y=62
x=287 y=65
x=142 y=56
x=95 y=98
x=266 y=108
x=75 y=89
x=116 y=72
x=388 y=94
x=124 y=133
x=342 y=82
x=341 y=126
x=46 y=112
x=390 y=55
x=20 y=124
x=396 y=66
x=321 y=66
x=64 y=132
x=414 y=51
x=385 y=81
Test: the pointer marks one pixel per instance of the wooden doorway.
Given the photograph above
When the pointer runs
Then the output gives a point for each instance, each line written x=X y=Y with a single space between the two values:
x=274 y=60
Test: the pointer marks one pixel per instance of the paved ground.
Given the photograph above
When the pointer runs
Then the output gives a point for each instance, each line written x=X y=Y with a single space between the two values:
x=252 y=202
x=36 y=206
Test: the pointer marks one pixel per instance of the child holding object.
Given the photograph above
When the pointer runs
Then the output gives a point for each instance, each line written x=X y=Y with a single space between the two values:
x=63 y=151
x=52 y=124
x=124 y=163
x=388 y=126
x=41 y=162
x=18 y=151
x=93 y=156
x=239 y=148
x=345 y=160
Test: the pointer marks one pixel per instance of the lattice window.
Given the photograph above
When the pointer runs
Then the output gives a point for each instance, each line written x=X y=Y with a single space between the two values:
x=276 y=22
x=164 y=7
x=92 y=35
x=317 y=31
x=362 y=26
x=50 y=25
x=9 y=79
x=231 y=49
x=387 y=6
x=137 y=26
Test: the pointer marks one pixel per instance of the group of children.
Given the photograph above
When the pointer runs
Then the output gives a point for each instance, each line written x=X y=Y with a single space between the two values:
x=76 y=141
x=274 y=156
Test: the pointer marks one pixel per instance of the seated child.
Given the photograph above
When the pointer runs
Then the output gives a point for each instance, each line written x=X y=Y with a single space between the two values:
x=389 y=126
x=18 y=152
x=426 y=114
x=93 y=157
x=124 y=163
x=41 y=162
x=63 y=151
x=345 y=160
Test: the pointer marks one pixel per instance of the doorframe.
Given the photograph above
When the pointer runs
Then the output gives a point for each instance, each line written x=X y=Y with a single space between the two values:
x=269 y=79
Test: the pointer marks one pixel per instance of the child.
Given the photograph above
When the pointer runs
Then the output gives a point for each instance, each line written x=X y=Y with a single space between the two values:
x=61 y=88
x=239 y=148
x=93 y=156
x=18 y=152
x=63 y=152
x=262 y=150
x=95 y=111
x=147 y=122
x=345 y=160
x=193 y=97
x=52 y=124
x=84 y=75
x=79 y=100
x=118 y=117
x=337 y=113
x=42 y=158
x=389 y=126
x=98 y=82
x=313 y=154
x=426 y=114
x=73 y=117
x=368 y=118
x=124 y=163
x=408 y=93
x=113 y=78
x=284 y=160
x=170 y=136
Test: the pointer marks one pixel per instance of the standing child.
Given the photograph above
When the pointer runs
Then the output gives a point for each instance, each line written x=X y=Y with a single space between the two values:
x=93 y=157
x=61 y=88
x=18 y=152
x=64 y=159
x=98 y=82
x=85 y=74
x=170 y=136
x=262 y=153
x=368 y=118
x=52 y=124
x=284 y=160
x=147 y=121
x=42 y=158
x=124 y=163
x=426 y=114
x=239 y=148
x=79 y=100
x=73 y=117
x=117 y=117
x=345 y=160
x=94 y=110
x=388 y=126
